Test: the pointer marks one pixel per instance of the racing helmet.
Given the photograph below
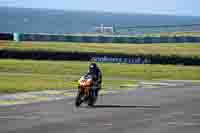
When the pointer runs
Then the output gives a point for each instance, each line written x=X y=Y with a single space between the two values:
x=92 y=67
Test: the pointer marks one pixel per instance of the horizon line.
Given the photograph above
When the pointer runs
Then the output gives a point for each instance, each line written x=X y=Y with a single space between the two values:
x=101 y=11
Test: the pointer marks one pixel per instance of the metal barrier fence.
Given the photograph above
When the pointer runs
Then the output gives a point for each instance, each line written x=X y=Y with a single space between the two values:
x=98 y=39
x=107 y=39
x=6 y=36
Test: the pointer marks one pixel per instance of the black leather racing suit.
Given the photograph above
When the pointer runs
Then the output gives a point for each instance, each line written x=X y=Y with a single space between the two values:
x=97 y=77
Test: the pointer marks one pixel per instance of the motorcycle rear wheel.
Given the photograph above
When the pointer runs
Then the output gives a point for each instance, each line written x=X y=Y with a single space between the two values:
x=79 y=100
x=92 y=99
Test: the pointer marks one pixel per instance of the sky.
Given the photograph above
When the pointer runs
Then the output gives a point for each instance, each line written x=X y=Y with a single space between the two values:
x=171 y=7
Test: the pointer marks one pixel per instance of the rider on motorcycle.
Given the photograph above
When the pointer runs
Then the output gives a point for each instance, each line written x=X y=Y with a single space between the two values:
x=96 y=73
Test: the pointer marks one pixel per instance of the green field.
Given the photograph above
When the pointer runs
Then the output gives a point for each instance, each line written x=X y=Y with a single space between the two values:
x=172 y=34
x=166 y=34
x=27 y=75
x=167 y=49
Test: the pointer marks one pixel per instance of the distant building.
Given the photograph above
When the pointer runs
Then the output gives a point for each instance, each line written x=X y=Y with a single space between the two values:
x=104 y=29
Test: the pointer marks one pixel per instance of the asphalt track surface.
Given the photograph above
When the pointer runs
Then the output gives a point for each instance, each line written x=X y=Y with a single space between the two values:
x=163 y=109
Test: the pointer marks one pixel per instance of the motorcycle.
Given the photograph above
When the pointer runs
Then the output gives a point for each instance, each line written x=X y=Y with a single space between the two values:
x=86 y=91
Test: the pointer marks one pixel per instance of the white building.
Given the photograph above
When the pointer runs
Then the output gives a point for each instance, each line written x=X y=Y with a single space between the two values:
x=103 y=29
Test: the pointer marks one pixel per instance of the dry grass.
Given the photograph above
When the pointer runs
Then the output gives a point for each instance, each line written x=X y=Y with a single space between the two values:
x=186 y=49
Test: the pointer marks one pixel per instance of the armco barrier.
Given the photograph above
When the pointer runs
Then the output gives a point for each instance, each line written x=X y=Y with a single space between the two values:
x=163 y=39
x=105 y=39
x=148 y=40
x=99 y=57
x=129 y=60
x=6 y=36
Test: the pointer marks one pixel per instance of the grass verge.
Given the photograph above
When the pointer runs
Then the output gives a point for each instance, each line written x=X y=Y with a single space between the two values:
x=28 y=75
x=168 y=49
